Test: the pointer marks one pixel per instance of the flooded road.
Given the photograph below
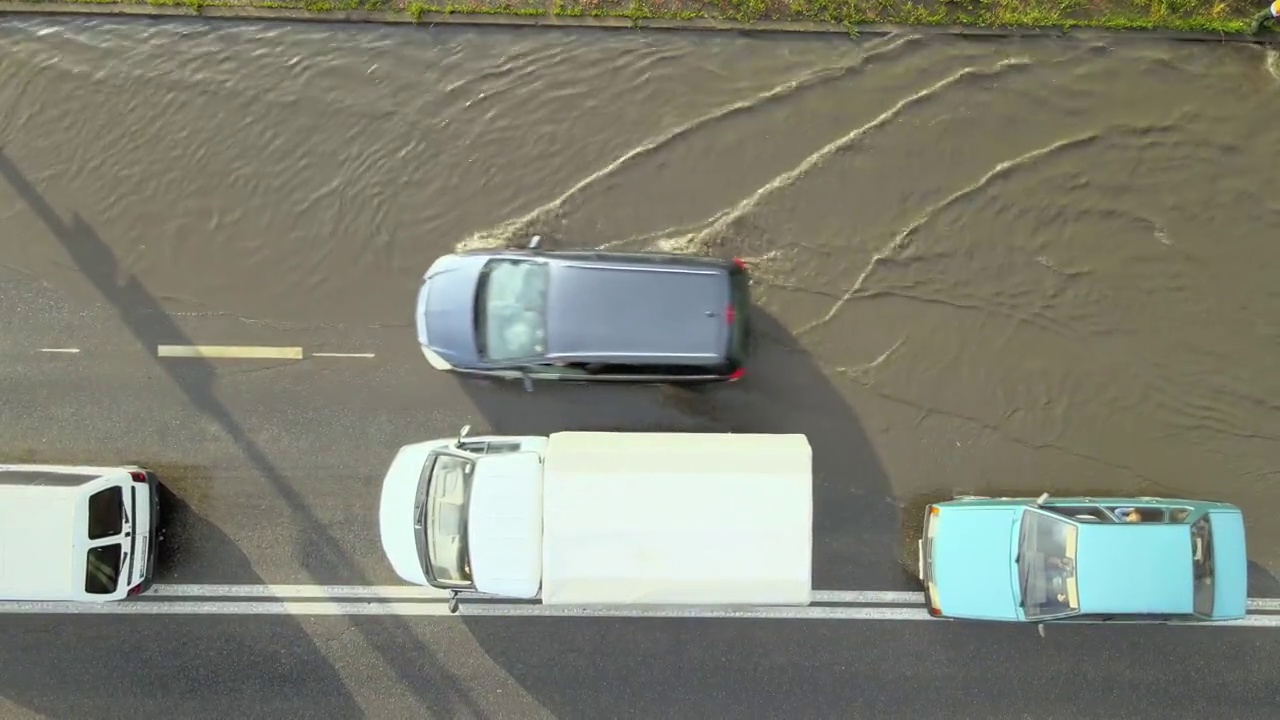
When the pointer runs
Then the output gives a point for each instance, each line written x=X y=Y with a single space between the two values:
x=1023 y=265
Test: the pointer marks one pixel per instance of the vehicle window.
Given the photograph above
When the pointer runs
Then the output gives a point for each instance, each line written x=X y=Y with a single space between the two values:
x=1047 y=565
x=1202 y=564
x=1085 y=513
x=1129 y=513
x=1179 y=515
x=511 y=309
x=445 y=520
x=106 y=513
x=102 y=571
x=485 y=447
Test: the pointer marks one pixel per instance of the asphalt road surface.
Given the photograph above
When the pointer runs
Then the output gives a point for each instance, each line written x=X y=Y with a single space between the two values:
x=274 y=465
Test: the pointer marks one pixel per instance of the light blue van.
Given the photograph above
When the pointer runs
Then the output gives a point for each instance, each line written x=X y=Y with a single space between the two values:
x=1089 y=559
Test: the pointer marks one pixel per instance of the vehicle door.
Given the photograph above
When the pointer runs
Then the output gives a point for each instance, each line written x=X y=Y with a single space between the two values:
x=109 y=532
x=595 y=372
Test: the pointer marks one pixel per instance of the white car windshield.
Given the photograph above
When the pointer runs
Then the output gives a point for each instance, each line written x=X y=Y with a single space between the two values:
x=446 y=520
x=1047 y=565
x=511 y=312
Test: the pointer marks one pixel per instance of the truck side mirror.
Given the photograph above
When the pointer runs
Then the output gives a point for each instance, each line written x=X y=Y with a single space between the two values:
x=463 y=433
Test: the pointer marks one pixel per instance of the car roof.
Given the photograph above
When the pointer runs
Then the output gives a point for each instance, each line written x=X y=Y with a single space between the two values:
x=1134 y=568
x=638 y=309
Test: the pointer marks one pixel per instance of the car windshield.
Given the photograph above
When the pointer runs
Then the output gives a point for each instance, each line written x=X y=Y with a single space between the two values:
x=1047 y=566
x=445 y=520
x=511 y=309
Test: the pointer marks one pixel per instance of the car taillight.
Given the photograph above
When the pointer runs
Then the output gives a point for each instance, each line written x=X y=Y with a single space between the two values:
x=138 y=477
x=135 y=590
x=736 y=374
x=730 y=314
x=935 y=612
x=740 y=264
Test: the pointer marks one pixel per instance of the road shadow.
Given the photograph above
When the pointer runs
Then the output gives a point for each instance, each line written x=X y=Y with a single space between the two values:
x=437 y=692
x=784 y=391
x=1262 y=582
x=160 y=662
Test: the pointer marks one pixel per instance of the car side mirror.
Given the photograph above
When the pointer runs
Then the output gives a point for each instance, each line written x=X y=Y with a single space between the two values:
x=535 y=242
x=528 y=381
x=1040 y=629
x=1044 y=498
x=463 y=433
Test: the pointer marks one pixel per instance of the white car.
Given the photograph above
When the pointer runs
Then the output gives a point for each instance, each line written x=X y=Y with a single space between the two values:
x=76 y=533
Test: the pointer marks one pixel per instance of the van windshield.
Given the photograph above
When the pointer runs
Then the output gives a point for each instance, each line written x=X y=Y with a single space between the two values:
x=106 y=513
x=444 y=521
x=102 y=571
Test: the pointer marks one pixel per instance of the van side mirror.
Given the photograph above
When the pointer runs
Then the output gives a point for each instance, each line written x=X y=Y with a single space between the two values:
x=463 y=433
x=535 y=242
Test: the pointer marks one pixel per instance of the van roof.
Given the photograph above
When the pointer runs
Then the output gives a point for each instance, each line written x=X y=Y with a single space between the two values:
x=38 y=529
x=677 y=518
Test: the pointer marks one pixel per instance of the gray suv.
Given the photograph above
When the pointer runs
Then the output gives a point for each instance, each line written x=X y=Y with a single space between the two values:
x=584 y=316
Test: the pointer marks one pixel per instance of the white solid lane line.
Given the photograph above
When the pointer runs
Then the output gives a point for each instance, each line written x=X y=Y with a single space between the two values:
x=343 y=355
x=408 y=592
x=373 y=592
x=70 y=351
x=242 y=352
x=411 y=592
x=409 y=609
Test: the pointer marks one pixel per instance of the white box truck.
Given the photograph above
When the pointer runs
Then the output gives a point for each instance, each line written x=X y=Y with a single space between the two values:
x=603 y=518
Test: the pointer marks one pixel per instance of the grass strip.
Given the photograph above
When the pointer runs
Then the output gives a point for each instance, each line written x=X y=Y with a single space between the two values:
x=1213 y=16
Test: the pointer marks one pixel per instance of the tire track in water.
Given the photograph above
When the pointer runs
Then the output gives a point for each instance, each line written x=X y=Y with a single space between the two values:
x=516 y=229
x=902 y=240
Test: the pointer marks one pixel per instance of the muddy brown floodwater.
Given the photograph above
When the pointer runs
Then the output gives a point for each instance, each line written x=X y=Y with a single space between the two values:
x=1025 y=264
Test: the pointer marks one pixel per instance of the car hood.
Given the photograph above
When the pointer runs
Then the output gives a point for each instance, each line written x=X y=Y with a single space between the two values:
x=1230 y=565
x=613 y=311
x=973 y=568
x=446 y=308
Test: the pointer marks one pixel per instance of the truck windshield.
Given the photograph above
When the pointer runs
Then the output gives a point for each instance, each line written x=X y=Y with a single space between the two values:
x=444 y=521
x=1047 y=566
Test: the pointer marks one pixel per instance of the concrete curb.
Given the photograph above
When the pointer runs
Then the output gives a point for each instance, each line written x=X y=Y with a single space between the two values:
x=428 y=20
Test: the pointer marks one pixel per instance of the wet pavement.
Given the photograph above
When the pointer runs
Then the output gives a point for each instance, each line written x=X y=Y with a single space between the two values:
x=982 y=265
